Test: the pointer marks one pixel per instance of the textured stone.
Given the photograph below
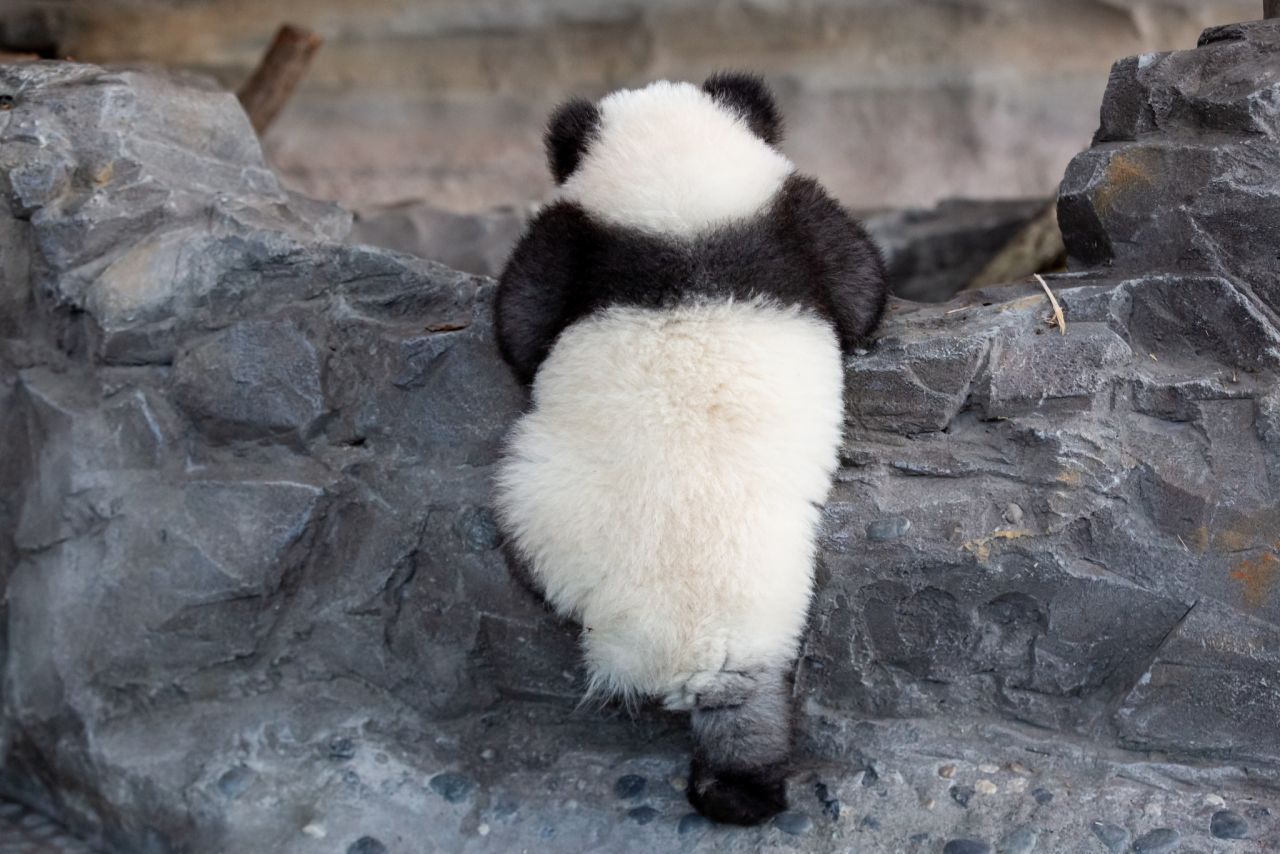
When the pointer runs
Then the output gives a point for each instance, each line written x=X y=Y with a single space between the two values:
x=1020 y=840
x=1226 y=824
x=1181 y=174
x=246 y=545
x=1162 y=840
x=252 y=378
x=1113 y=837
x=933 y=253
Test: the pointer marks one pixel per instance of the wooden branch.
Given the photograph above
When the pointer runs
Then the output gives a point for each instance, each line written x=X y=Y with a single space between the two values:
x=1271 y=8
x=265 y=92
x=11 y=56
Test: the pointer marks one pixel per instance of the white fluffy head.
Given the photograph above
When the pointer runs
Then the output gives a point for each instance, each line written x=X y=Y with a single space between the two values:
x=671 y=159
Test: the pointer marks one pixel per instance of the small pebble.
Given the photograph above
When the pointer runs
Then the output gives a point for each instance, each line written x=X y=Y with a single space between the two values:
x=986 y=787
x=869 y=776
x=452 y=787
x=505 y=808
x=870 y=822
x=478 y=529
x=679 y=784
x=966 y=846
x=962 y=794
x=1214 y=801
x=830 y=805
x=342 y=748
x=793 y=822
x=947 y=772
x=1020 y=840
x=988 y=768
x=483 y=830
x=642 y=815
x=367 y=845
x=1226 y=824
x=315 y=830
x=1153 y=810
x=928 y=803
x=1019 y=768
x=1017 y=784
x=1042 y=795
x=487 y=754
x=693 y=823
x=233 y=783
x=1012 y=513
x=630 y=787
x=892 y=528
x=1159 y=841
x=1112 y=836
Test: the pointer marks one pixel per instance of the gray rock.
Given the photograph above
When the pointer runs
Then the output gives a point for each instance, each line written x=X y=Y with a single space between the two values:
x=888 y=529
x=693 y=823
x=1159 y=841
x=454 y=788
x=253 y=378
x=630 y=787
x=1178 y=176
x=367 y=845
x=933 y=253
x=642 y=815
x=1227 y=824
x=1113 y=837
x=966 y=846
x=243 y=516
x=794 y=823
x=1020 y=840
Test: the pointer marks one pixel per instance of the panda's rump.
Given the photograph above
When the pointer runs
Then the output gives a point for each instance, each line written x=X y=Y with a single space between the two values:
x=665 y=485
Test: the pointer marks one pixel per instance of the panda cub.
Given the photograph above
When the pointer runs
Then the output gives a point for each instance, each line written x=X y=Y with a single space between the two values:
x=681 y=309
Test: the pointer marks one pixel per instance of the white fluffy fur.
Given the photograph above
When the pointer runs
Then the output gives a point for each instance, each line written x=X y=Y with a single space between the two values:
x=669 y=159
x=665 y=487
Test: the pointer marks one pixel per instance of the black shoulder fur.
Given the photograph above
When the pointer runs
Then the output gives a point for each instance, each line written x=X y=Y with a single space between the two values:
x=803 y=249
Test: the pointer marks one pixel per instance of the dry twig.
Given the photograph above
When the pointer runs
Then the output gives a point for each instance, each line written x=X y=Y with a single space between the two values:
x=1057 y=309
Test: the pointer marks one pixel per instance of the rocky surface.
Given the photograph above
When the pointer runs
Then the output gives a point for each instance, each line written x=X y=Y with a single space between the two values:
x=254 y=596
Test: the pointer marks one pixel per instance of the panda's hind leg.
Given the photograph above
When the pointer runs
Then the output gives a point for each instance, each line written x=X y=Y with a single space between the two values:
x=742 y=748
x=711 y=689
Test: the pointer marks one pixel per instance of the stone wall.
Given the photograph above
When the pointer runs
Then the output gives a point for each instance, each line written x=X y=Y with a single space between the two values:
x=891 y=102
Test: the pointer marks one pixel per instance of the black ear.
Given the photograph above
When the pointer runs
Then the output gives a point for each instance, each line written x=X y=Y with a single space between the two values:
x=569 y=131
x=747 y=94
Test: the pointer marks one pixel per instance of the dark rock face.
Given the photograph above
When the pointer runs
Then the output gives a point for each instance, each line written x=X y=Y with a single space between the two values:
x=255 y=597
x=1181 y=175
x=932 y=253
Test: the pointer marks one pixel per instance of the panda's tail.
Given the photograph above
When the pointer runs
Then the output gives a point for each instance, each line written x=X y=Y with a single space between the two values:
x=741 y=752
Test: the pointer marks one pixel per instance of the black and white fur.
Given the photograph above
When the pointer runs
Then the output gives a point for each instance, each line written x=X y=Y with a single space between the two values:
x=682 y=309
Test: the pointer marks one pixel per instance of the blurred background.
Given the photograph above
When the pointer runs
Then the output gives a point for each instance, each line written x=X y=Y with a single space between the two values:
x=425 y=116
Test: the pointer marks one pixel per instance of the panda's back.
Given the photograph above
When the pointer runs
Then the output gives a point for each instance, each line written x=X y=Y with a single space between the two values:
x=665 y=485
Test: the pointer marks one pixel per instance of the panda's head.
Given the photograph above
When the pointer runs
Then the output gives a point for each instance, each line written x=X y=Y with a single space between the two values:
x=671 y=158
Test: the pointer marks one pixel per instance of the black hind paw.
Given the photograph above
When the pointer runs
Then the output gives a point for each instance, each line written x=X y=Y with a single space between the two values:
x=738 y=797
